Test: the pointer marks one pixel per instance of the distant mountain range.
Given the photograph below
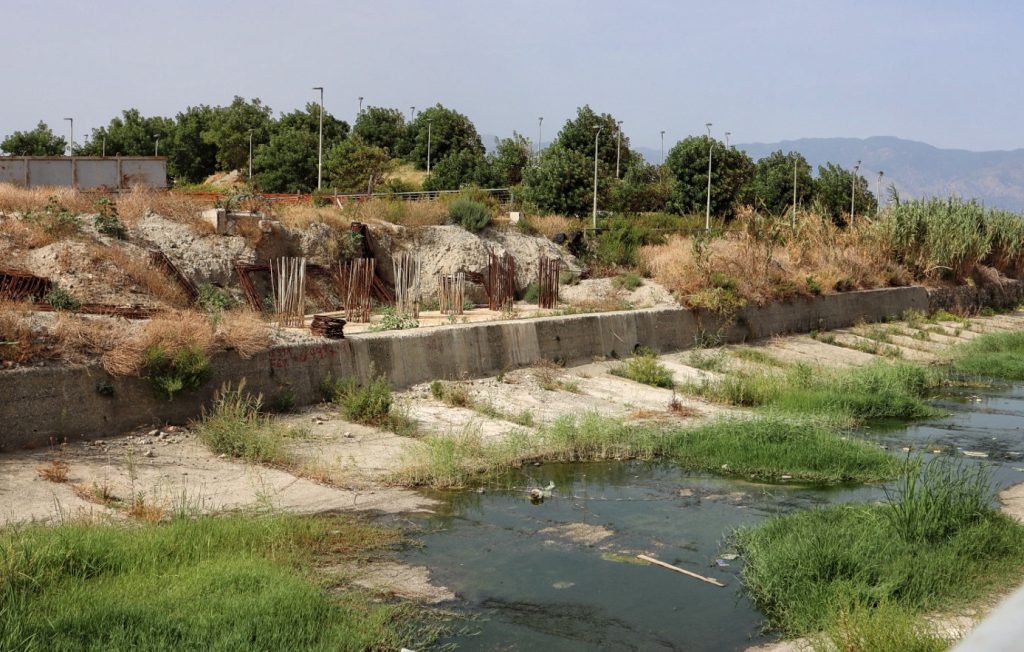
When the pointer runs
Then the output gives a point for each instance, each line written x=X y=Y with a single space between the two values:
x=918 y=169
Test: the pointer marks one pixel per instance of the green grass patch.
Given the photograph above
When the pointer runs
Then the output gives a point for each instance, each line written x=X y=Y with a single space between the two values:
x=879 y=390
x=187 y=368
x=238 y=582
x=773 y=448
x=646 y=369
x=765 y=448
x=936 y=543
x=757 y=356
x=997 y=355
x=234 y=426
x=628 y=281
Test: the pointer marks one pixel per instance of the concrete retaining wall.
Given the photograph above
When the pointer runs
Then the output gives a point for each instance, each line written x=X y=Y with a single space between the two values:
x=37 y=404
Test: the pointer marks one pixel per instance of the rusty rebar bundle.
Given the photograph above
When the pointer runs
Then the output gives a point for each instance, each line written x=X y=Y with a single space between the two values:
x=288 y=280
x=244 y=271
x=160 y=259
x=407 y=285
x=329 y=327
x=451 y=293
x=355 y=283
x=501 y=281
x=548 y=271
x=16 y=285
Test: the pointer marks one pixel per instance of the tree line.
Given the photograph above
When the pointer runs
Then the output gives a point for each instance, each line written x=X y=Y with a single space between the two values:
x=361 y=157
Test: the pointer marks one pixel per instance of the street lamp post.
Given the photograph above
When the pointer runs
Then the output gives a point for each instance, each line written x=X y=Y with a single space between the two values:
x=430 y=122
x=618 y=147
x=360 y=105
x=250 y=156
x=597 y=135
x=727 y=134
x=878 y=191
x=320 y=149
x=794 y=192
x=711 y=148
x=103 y=152
x=663 y=147
x=853 y=190
x=540 y=133
x=71 y=144
x=156 y=146
x=412 y=113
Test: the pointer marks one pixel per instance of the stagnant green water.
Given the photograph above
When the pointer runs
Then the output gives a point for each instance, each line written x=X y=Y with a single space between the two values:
x=525 y=588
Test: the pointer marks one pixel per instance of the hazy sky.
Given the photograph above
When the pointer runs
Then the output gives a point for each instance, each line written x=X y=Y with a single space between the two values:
x=948 y=73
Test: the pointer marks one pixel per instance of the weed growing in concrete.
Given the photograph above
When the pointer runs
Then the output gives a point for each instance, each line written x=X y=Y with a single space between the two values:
x=805 y=570
x=56 y=470
x=186 y=369
x=64 y=586
x=235 y=427
x=392 y=321
x=646 y=369
x=371 y=404
x=452 y=394
x=997 y=355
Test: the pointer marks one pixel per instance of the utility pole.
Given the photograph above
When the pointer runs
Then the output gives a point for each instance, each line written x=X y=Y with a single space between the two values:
x=412 y=113
x=878 y=192
x=250 y=156
x=103 y=152
x=853 y=190
x=794 y=192
x=430 y=122
x=540 y=133
x=320 y=151
x=618 y=147
x=71 y=145
x=360 y=106
x=711 y=148
x=727 y=134
x=156 y=147
x=663 y=147
x=597 y=135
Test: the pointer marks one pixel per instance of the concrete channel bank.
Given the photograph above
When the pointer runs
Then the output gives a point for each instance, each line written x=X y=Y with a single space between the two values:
x=38 y=404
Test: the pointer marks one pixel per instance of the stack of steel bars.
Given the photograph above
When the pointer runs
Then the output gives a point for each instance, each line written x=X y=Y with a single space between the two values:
x=329 y=327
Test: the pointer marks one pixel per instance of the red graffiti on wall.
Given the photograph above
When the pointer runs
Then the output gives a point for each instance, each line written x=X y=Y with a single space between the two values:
x=285 y=357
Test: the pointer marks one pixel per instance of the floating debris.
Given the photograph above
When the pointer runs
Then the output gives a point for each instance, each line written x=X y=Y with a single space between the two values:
x=975 y=454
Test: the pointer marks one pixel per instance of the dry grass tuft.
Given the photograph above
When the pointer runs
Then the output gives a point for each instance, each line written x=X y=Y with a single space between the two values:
x=15 y=199
x=127 y=266
x=244 y=331
x=100 y=493
x=422 y=213
x=81 y=338
x=550 y=225
x=179 y=207
x=171 y=332
x=300 y=216
x=19 y=341
x=146 y=510
x=56 y=470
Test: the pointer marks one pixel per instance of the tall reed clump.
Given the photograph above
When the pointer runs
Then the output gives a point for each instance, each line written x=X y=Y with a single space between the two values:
x=996 y=355
x=938 y=238
x=937 y=543
x=64 y=586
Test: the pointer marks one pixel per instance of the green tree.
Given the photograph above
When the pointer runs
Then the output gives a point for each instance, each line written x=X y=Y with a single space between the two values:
x=509 y=160
x=381 y=127
x=460 y=168
x=731 y=172
x=190 y=159
x=449 y=131
x=288 y=161
x=130 y=134
x=40 y=141
x=646 y=188
x=833 y=189
x=229 y=129
x=562 y=182
x=353 y=165
x=772 y=186
x=577 y=135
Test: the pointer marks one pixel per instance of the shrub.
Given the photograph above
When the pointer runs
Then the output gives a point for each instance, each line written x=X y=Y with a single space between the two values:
x=235 y=427
x=106 y=220
x=629 y=281
x=531 y=293
x=392 y=321
x=60 y=299
x=186 y=369
x=214 y=299
x=470 y=215
x=369 y=404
